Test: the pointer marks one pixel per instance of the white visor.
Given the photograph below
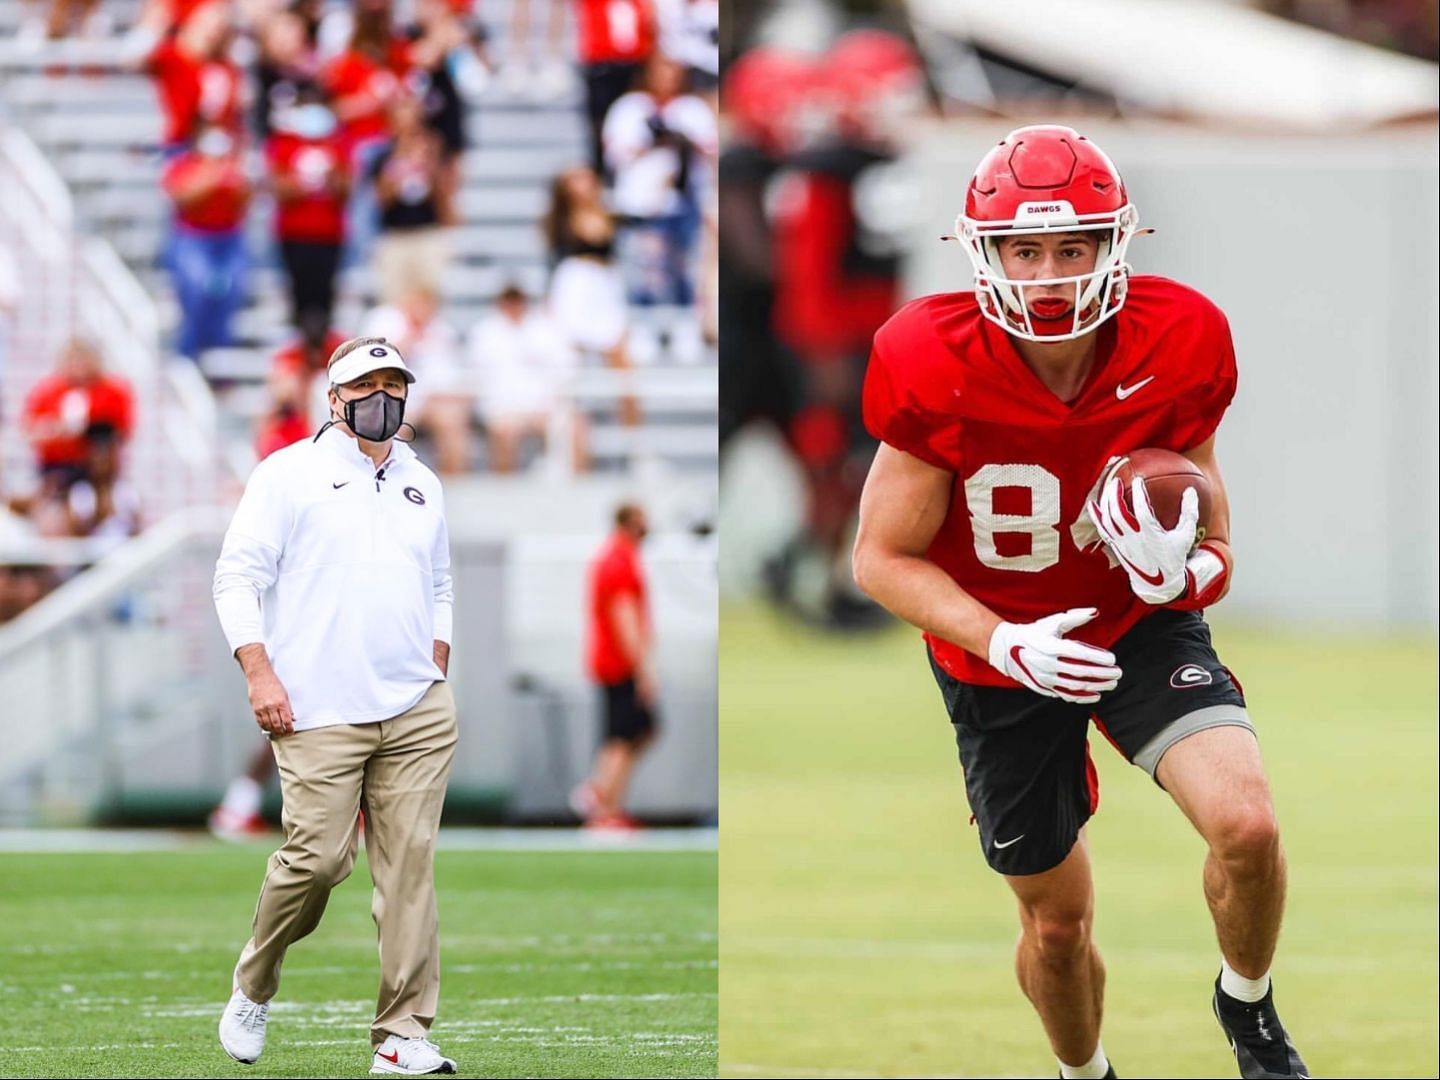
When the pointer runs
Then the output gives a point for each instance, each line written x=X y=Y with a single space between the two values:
x=368 y=358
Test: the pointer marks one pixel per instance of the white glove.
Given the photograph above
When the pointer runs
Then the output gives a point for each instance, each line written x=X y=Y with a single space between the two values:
x=1152 y=557
x=1037 y=656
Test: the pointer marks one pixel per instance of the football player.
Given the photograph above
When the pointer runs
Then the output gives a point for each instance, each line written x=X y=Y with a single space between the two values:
x=992 y=520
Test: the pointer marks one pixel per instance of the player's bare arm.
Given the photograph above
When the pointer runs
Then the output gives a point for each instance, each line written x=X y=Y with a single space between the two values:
x=1217 y=532
x=901 y=509
x=903 y=506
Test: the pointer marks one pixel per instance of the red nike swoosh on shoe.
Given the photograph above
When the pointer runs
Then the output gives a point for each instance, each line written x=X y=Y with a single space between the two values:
x=393 y=1057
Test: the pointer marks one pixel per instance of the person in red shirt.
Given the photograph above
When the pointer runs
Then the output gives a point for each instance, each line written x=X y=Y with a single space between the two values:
x=992 y=520
x=620 y=659
x=197 y=81
x=62 y=405
x=293 y=371
x=207 y=254
x=310 y=176
x=362 y=82
x=616 y=37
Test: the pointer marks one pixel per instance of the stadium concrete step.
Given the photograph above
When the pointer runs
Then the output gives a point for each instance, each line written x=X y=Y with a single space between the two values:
x=547 y=127
x=126 y=127
x=108 y=92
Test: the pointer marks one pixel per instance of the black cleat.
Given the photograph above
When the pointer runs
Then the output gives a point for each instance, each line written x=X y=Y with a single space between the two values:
x=1262 y=1048
x=1109 y=1074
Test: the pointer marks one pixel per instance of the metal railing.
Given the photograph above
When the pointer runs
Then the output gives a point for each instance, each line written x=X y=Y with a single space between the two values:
x=74 y=284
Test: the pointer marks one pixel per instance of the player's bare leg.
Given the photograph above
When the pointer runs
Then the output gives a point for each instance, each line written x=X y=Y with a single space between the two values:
x=1217 y=779
x=1056 y=961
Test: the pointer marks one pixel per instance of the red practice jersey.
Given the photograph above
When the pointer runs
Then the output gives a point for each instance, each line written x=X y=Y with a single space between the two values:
x=948 y=387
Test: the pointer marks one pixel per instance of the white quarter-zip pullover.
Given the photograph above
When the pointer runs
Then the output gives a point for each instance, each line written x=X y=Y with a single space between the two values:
x=342 y=572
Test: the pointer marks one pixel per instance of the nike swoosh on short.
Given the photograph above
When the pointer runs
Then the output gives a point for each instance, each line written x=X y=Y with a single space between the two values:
x=1122 y=392
x=1007 y=843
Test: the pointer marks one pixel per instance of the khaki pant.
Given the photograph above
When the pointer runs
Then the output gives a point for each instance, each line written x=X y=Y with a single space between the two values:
x=396 y=771
x=407 y=258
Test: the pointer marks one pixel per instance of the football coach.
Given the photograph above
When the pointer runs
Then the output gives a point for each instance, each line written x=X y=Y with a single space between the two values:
x=333 y=588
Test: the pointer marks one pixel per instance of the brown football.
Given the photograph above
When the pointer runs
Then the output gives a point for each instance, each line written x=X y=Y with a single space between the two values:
x=1166 y=475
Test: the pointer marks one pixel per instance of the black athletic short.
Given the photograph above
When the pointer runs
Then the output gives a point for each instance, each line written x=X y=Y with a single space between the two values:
x=627 y=718
x=1027 y=765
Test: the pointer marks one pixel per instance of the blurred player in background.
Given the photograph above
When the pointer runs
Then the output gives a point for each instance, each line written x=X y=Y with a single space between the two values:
x=813 y=213
x=983 y=523
x=621 y=661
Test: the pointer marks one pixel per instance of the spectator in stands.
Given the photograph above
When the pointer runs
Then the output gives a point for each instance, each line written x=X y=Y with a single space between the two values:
x=310 y=176
x=616 y=38
x=61 y=407
x=287 y=61
x=690 y=32
x=660 y=141
x=65 y=18
x=587 y=295
x=445 y=56
x=22 y=586
x=524 y=367
x=445 y=403
x=207 y=255
x=409 y=179
x=101 y=504
x=286 y=419
x=93 y=502
x=525 y=75
x=197 y=81
x=362 y=82
x=621 y=660
x=296 y=387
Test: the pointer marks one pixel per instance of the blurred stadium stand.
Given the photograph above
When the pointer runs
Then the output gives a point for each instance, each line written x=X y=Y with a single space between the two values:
x=133 y=708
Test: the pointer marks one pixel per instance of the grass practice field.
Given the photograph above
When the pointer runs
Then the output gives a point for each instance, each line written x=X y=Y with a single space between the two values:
x=862 y=933
x=579 y=964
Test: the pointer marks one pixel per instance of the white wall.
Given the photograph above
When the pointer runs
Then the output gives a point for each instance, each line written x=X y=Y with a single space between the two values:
x=1323 y=253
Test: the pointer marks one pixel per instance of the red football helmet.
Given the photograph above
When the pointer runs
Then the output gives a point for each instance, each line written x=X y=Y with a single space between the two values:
x=878 y=82
x=1047 y=179
x=764 y=93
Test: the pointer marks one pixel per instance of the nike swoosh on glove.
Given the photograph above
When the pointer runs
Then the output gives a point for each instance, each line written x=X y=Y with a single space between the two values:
x=1152 y=556
x=1038 y=656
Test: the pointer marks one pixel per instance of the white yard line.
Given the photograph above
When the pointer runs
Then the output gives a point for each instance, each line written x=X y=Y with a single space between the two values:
x=127 y=841
x=787 y=1072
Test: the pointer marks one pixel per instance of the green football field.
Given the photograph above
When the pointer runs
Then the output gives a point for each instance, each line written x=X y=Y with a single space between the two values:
x=578 y=964
x=862 y=933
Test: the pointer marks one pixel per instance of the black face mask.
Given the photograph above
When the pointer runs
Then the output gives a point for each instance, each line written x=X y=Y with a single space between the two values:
x=375 y=417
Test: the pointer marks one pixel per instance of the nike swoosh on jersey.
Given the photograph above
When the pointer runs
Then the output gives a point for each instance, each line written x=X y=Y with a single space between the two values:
x=1122 y=391
x=335 y=485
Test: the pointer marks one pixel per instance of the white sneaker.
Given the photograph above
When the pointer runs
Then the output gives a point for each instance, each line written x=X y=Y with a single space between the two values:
x=242 y=1028
x=409 y=1057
